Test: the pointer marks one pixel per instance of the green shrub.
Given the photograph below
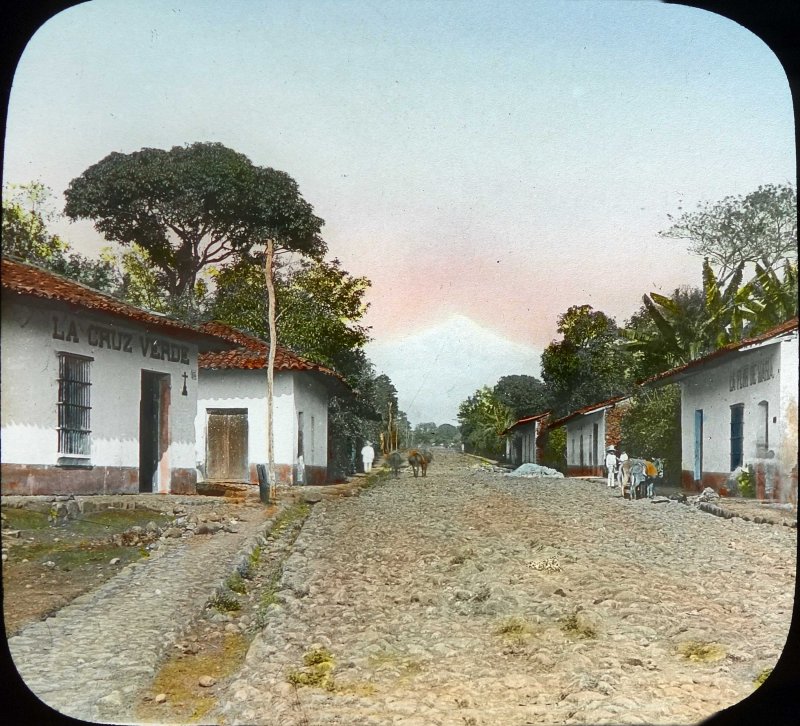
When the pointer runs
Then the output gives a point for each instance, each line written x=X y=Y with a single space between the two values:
x=651 y=428
x=224 y=603
x=746 y=484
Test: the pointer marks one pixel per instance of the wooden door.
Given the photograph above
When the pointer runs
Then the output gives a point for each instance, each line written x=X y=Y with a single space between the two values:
x=226 y=445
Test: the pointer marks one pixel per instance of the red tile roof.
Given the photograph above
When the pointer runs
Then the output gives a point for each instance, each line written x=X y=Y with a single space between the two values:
x=21 y=278
x=525 y=420
x=609 y=403
x=252 y=354
x=781 y=329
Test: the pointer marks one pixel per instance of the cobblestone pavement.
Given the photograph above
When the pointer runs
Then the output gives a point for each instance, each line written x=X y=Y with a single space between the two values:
x=87 y=659
x=470 y=597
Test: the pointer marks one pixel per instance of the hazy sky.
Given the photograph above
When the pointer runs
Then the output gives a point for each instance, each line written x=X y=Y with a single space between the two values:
x=494 y=160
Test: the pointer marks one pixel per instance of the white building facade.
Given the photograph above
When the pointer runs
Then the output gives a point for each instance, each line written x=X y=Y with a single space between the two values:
x=739 y=409
x=522 y=440
x=98 y=397
x=230 y=422
x=590 y=430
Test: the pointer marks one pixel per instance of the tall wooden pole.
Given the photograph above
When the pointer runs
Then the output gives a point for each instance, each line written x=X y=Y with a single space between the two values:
x=390 y=428
x=273 y=337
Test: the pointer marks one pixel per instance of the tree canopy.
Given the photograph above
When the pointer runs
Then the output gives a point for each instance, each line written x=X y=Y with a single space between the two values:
x=193 y=206
x=319 y=308
x=26 y=211
x=758 y=227
x=483 y=418
x=524 y=395
x=589 y=364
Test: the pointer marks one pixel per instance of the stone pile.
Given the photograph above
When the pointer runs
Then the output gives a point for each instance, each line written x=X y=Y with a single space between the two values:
x=535 y=470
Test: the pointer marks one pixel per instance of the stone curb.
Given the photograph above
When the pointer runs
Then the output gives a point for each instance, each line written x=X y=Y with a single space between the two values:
x=726 y=514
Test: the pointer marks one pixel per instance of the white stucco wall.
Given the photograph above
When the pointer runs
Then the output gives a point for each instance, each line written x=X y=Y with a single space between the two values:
x=788 y=420
x=528 y=434
x=31 y=342
x=584 y=426
x=246 y=389
x=741 y=377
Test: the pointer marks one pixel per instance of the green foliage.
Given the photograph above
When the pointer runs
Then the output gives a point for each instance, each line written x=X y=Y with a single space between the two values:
x=235 y=583
x=193 y=206
x=589 y=364
x=759 y=227
x=317 y=671
x=524 y=395
x=424 y=434
x=26 y=237
x=483 y=420
x=671 y=331
x=447 y=435
x=319 y=306
x=224 y=603
x=651 y=428
x=700 y=652
x=746 y=483
x=554 y=454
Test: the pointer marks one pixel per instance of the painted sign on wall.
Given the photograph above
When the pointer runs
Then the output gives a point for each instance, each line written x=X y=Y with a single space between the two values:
x=751 y=374
x=101 y=336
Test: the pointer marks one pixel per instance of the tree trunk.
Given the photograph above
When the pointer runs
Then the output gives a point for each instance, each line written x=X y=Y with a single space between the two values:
x=268 y=271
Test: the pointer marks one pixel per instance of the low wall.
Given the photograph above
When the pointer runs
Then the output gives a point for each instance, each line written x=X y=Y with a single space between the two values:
x=84 y=480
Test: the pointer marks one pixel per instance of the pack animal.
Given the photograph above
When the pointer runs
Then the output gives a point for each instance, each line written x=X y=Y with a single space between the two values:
x=395 y=461
x=639 y=477
x=419 y=460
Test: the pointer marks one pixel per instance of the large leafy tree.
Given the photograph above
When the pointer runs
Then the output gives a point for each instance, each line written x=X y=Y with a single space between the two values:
x=319 y=308
x=190 y=207
x=424 y=433
x=589 y=364
x=758 y=227
x=524 y=395
x=483 y=419
x=447 y=435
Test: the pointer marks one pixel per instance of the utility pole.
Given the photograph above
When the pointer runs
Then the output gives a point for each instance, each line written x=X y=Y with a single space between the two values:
x=390 y=430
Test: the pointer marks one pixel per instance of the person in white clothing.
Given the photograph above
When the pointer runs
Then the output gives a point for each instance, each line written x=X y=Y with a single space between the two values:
x=611 y=465
x=623 y=457
x=367 y=456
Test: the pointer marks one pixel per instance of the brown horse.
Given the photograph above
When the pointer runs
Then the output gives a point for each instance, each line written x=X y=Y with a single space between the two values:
x=419 y=460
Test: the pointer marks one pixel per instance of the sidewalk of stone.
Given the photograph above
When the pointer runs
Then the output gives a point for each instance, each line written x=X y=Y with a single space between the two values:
x=107 y=643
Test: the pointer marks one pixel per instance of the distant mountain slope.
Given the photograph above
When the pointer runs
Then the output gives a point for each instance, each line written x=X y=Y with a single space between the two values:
x=436 y=369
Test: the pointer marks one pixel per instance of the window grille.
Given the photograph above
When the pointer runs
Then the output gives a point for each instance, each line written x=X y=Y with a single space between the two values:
x=74 y=406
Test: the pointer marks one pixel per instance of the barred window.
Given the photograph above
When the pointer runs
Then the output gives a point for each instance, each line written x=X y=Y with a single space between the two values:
x=74 y=407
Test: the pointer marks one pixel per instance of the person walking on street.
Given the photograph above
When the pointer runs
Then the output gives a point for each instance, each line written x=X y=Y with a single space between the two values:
x=611 y=465
x=367 y=456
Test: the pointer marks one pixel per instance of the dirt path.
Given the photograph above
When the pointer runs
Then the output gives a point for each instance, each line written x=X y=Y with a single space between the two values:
x=470 y=597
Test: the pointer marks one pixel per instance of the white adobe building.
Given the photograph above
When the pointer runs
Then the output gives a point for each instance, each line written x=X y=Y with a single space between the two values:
x=98 y=396
x=739 y=408
x=521 y=439
x=590 y=430
x=230 y=422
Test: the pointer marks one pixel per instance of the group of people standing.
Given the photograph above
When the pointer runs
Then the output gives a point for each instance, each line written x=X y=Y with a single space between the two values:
x=614 y=466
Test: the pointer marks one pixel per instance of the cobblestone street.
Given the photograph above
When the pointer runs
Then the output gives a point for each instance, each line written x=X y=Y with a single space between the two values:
x=467 y=597
x=471 y=597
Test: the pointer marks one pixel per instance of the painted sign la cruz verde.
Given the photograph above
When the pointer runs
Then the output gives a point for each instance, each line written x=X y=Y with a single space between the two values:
x=101 y=336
